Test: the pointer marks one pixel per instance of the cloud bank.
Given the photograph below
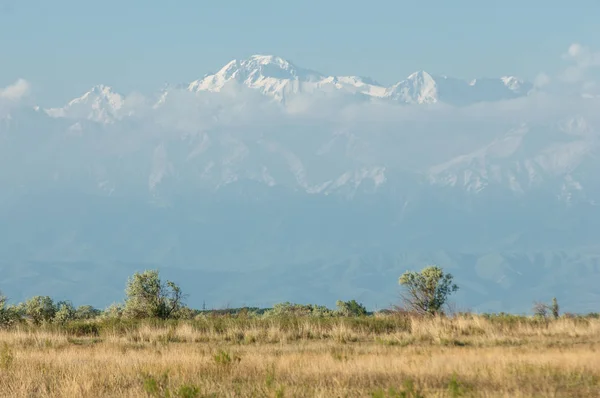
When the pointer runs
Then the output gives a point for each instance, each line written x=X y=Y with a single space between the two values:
x=16 y=91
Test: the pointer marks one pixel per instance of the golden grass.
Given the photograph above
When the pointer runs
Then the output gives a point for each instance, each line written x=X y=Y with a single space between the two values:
x=462 y=356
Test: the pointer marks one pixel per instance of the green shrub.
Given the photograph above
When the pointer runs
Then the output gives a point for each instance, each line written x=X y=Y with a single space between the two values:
x=427 y=291
x=9 y=315
x=298 y=310
x=113 y=311
x=40 y=309
x=65 y=312
x=149 y=297
x=350 y=308
x=86 y=312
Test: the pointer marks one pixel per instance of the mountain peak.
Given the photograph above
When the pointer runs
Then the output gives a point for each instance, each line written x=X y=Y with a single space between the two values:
x=268 y=59
x=269 y=66
x=420 y=74
x=101 y=89
x=267 y=72
x=97 y=92
x=418 y=88
x=99 y=104
x=513 y=83
x=100 y=93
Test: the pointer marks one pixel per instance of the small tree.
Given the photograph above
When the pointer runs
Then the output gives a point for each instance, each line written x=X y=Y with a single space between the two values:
x=39 y=309
x=555 y=308
x=428 y=290
x=540 y=309
x=148 y=297
x=65 y=312
x=113 y=311
x=85 y=312
x=8 y=314
x=350 y=308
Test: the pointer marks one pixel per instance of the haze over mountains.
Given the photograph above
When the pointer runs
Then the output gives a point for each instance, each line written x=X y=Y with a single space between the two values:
x=267 y=182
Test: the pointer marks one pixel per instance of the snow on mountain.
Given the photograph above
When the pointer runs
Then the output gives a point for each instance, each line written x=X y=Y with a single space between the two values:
x=278 y=78
x=418 y=88
x=100 y=104
x=272 y=75
x=515 y=85
x=525 y=158
x=423 y=88
x=216 y=160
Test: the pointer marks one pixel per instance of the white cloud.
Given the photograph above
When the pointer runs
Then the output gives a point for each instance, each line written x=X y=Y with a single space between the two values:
x=541 y=80
x=135 y=104
x=16 y=91
x=574 y=51
x=583 y=60
x=583 y=56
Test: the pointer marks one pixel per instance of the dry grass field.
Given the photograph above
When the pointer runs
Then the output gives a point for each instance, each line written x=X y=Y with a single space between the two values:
x=388 y=356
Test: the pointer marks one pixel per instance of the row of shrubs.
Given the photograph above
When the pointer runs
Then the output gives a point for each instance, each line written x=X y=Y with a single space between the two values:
x=44 y=310
x=147 y=297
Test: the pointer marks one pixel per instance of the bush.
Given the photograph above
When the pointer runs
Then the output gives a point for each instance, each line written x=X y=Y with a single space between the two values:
x=297 y=310
x=8 y=314
x=40 y=309
x=114 y=311
x=350 y=308
x=427 y=291
x=149 y=297
x=65 y=312
x=185 y=313
x=87 y=312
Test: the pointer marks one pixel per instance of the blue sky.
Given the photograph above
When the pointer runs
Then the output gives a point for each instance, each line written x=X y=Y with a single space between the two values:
x=64 y=47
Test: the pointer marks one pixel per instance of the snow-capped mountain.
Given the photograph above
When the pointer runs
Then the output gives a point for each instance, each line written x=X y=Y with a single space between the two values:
x=423 y=88
x=418 y=88
x=522 y=159
x=558 y=157
x=100 y=104
x=279 y=78
x=258 y=71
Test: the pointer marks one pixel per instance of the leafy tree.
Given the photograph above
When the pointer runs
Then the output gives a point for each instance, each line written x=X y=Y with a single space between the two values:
x=113 y=311
x=149 y=297
x=39 y=309
x=65 y=312
x=428 y=290
x=84 y=312
x=8 y=314
x=185 y=312
x=351 y=308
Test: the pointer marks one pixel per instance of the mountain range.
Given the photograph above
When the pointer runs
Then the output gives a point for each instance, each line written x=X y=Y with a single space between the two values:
x=268 y=182
x=280 y=79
